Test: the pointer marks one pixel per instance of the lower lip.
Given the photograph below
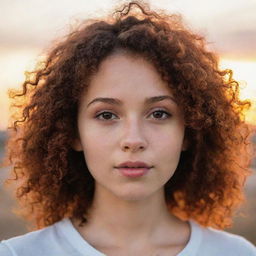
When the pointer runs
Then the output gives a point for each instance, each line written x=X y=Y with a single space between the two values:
x=133 y=172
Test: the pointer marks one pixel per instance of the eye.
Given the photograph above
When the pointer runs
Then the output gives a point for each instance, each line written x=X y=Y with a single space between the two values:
x=161 y=114
x=105 y=116
x=158 y=114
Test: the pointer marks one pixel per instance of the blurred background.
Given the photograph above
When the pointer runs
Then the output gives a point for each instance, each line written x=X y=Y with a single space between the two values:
x=29 y=27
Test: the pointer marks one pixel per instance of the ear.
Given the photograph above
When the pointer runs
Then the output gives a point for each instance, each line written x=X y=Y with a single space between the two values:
x=76 y=145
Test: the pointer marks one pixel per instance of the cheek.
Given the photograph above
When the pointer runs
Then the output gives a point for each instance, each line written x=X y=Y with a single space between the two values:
x=170 y=138
x=97 y=150
x=169 y=146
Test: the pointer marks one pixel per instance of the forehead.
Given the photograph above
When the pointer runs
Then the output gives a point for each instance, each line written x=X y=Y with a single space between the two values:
x=127 y=75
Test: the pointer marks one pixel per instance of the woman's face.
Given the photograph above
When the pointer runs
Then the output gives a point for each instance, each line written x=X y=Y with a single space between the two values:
x=122 y=118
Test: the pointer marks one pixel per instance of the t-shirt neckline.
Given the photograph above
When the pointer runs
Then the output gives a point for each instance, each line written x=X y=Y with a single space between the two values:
x=71 y=234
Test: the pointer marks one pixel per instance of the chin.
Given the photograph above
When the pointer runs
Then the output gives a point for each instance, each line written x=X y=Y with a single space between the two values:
x=134 y=194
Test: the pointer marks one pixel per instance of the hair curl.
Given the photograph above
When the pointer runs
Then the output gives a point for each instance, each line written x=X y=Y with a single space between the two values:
x=54 y=181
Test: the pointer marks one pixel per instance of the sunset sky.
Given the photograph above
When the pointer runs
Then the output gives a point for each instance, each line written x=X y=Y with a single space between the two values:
x=28 y=27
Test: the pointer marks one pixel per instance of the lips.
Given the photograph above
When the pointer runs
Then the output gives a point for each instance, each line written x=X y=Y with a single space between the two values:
x=137 y=164
x=133 y=169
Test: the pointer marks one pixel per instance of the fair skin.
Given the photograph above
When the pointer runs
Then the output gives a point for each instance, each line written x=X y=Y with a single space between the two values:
x=129 y=215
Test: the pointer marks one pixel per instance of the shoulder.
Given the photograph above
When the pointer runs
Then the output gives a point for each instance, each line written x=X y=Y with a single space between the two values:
x=46 y=241
x=220 y=242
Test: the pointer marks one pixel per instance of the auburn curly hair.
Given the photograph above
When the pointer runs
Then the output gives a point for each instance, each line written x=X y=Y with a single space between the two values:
x=53 y=179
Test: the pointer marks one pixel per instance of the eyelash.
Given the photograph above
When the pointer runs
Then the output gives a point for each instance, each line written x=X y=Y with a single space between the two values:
x=104 y=112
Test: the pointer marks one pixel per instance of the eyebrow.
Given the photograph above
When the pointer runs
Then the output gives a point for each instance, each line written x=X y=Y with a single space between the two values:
x=148 y=101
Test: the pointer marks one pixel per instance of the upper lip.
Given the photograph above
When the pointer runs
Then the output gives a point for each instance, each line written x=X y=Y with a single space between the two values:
x=133 y=164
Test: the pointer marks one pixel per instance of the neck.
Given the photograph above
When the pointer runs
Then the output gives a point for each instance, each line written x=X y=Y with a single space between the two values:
x=126 y=221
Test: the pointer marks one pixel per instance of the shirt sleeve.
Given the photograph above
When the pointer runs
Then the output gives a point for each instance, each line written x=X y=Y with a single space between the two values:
x=246 y=248
x=5 y=251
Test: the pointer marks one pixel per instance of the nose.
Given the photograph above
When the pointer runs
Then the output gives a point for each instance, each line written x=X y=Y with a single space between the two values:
x=133 y=139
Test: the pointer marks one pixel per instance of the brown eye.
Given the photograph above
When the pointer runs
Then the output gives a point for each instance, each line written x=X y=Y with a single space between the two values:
x=105 y=116
x=160 y=114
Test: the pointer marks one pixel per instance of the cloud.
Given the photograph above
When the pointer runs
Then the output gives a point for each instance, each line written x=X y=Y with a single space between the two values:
x=239 y=43
x=34 y=23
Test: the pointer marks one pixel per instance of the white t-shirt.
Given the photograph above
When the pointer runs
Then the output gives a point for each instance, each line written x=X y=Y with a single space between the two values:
x=62 y=239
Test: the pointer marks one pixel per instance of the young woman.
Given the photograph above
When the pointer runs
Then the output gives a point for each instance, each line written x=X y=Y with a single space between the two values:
x=131 y=141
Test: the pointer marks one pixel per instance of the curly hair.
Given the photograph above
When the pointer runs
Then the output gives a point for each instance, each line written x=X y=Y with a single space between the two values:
x=53 y=179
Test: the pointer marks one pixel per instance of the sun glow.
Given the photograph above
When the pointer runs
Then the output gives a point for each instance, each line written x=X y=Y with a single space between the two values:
x=245 y=73
x=13 y=65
